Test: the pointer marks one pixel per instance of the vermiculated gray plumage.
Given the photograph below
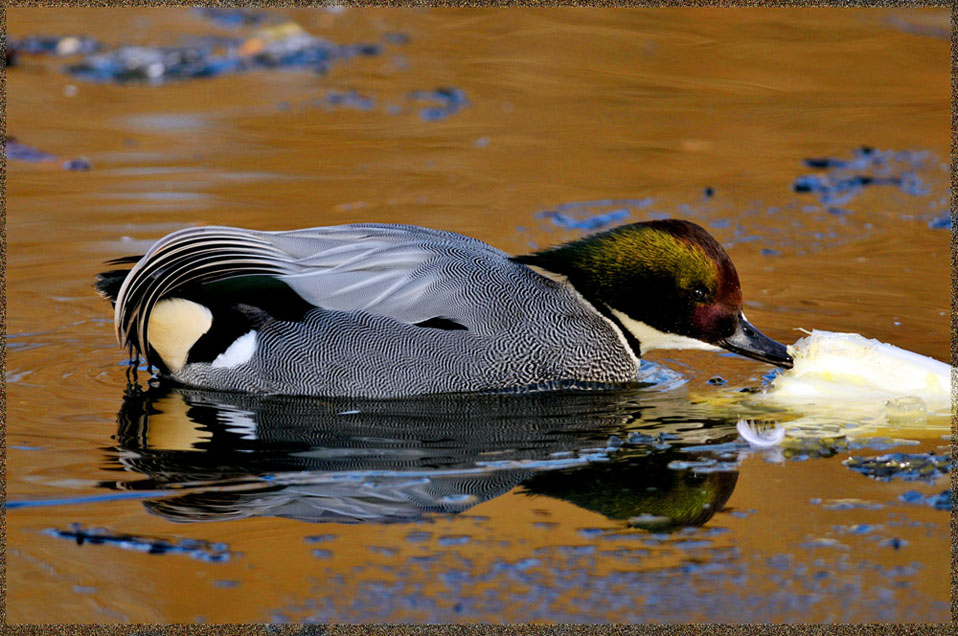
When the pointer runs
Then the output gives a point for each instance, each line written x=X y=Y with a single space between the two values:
x=370 y=285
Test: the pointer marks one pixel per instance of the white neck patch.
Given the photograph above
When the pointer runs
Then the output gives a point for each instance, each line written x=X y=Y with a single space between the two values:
x=651 y=338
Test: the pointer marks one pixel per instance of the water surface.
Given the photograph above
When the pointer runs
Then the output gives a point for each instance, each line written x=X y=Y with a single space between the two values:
x=812 y=143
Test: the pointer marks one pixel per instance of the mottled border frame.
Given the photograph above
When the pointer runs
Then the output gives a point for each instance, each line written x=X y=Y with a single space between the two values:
x=480 y=630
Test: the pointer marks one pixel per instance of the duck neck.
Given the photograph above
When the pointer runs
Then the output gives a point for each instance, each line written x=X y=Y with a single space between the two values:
x=629 y=342
x=632 y=343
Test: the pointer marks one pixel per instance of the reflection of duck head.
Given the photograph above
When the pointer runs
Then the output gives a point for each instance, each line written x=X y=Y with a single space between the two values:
x=231 y=455
x=639 y=487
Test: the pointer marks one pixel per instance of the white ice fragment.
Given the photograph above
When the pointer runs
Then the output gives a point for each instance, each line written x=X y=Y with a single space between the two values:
x=848 y=367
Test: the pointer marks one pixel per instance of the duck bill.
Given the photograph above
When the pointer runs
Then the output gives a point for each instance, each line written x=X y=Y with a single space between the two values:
x=752 y=343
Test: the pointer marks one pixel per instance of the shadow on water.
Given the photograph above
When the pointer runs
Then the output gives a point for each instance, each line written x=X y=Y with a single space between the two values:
x=230 y=456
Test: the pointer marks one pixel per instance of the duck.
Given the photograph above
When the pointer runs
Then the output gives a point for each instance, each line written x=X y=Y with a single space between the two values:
x=376 y=310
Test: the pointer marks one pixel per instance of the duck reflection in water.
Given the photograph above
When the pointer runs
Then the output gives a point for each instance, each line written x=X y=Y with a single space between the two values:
x=232 y=455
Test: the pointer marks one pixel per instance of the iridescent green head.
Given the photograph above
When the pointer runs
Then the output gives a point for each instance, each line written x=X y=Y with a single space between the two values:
x=668 y=284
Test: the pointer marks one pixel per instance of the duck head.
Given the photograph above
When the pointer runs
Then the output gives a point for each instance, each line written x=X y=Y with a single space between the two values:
x=667 y=284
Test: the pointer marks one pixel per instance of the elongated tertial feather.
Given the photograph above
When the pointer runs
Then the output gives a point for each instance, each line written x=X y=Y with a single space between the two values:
x=407 y=273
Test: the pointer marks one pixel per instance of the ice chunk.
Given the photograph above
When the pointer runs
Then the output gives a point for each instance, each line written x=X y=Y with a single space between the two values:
x=848 y=367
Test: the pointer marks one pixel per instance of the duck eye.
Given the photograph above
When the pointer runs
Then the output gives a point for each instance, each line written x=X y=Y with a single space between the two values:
x=700 y=293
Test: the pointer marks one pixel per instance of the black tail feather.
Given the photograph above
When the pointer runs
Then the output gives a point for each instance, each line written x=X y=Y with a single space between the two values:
x=108 y=283
x=124 y=260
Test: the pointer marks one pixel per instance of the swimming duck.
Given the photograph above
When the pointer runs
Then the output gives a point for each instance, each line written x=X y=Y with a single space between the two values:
x=376 y=310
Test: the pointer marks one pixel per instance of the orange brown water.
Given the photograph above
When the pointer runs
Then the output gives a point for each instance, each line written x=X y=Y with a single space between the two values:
x=640 y=109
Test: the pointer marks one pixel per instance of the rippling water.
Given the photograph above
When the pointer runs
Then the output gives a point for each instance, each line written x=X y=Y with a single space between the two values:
x=813 y=144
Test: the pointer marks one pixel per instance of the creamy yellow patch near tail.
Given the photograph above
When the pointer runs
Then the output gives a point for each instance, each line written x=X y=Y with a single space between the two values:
x=175 y=326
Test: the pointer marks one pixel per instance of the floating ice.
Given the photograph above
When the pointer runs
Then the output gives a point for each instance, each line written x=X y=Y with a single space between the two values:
x=849 y=368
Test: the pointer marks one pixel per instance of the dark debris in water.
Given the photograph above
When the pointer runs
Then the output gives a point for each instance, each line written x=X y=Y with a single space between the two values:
x=919 y=467
x=194 y=548
x=350 y=99
x=395 y=37
x=658 y=442
x=861 y=160
x=592 y=215
x=80 y=163
x=16 y=151
x=154 y=64
x=590 y=223
x=232 y=18
x=846 y=178
x=879 y=443
x=804 y=448
x=539 y=587
x=914 y=184
x=941 y=222
x=450 y=101
x=941 y=501
x=839 y=190
x=22 y=152
x=636 y=438
x=280 y=46
x=846 y=504
x=915 y=24
x=58 y=45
